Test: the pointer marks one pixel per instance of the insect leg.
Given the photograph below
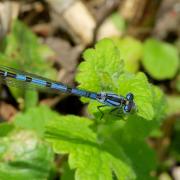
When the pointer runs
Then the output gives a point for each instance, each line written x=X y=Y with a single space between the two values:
x=99 y=108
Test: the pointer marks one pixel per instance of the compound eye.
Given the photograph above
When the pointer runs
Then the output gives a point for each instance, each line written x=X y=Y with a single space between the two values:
x=130 y=97
x=127 y=108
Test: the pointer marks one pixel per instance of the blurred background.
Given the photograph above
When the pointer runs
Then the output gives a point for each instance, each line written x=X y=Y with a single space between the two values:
x=48 y=37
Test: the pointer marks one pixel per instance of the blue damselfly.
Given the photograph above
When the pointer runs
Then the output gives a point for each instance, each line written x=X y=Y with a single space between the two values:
x=14 y=77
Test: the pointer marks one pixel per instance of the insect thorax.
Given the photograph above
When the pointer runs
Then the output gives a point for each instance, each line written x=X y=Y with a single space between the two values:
x=110 y=99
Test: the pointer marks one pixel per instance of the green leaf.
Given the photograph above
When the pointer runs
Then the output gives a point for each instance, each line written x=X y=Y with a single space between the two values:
x=67 y=173
x=102 y=67
x=24 y=156
x=103 y=71
x=34 y=119
x=160 y=59
x=143 y=158
x=90 y=157
x=139 y=86
x=160 y=107
x=132 y=137
x=131 y=51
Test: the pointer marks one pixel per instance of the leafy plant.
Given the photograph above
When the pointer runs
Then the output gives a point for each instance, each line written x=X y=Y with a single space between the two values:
x=103 y=71
x=160 y=59
x=114 y=148
x=111 y=148
x=23 y=155
x=90 y=158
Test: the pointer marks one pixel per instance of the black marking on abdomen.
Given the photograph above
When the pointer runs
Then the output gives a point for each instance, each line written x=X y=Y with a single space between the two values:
x=28 y=79
x=48 y=84
x=11 y=75
x=88 y=94
x=69 y=90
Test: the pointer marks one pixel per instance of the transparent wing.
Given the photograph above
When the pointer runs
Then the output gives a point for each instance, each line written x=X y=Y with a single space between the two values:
x=17 y=71
x=12 y=82
x=19 y=84
x=39 y=83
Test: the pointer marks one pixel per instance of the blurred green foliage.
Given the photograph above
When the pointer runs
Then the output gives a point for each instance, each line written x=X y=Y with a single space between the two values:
x=23 y=155
x=113 y=148
x=22 y=50
x=87 y=154
x=160 y=59
x=175 y=144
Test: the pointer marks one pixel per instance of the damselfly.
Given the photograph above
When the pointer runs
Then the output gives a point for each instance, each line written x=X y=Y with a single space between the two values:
x=14 y=77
